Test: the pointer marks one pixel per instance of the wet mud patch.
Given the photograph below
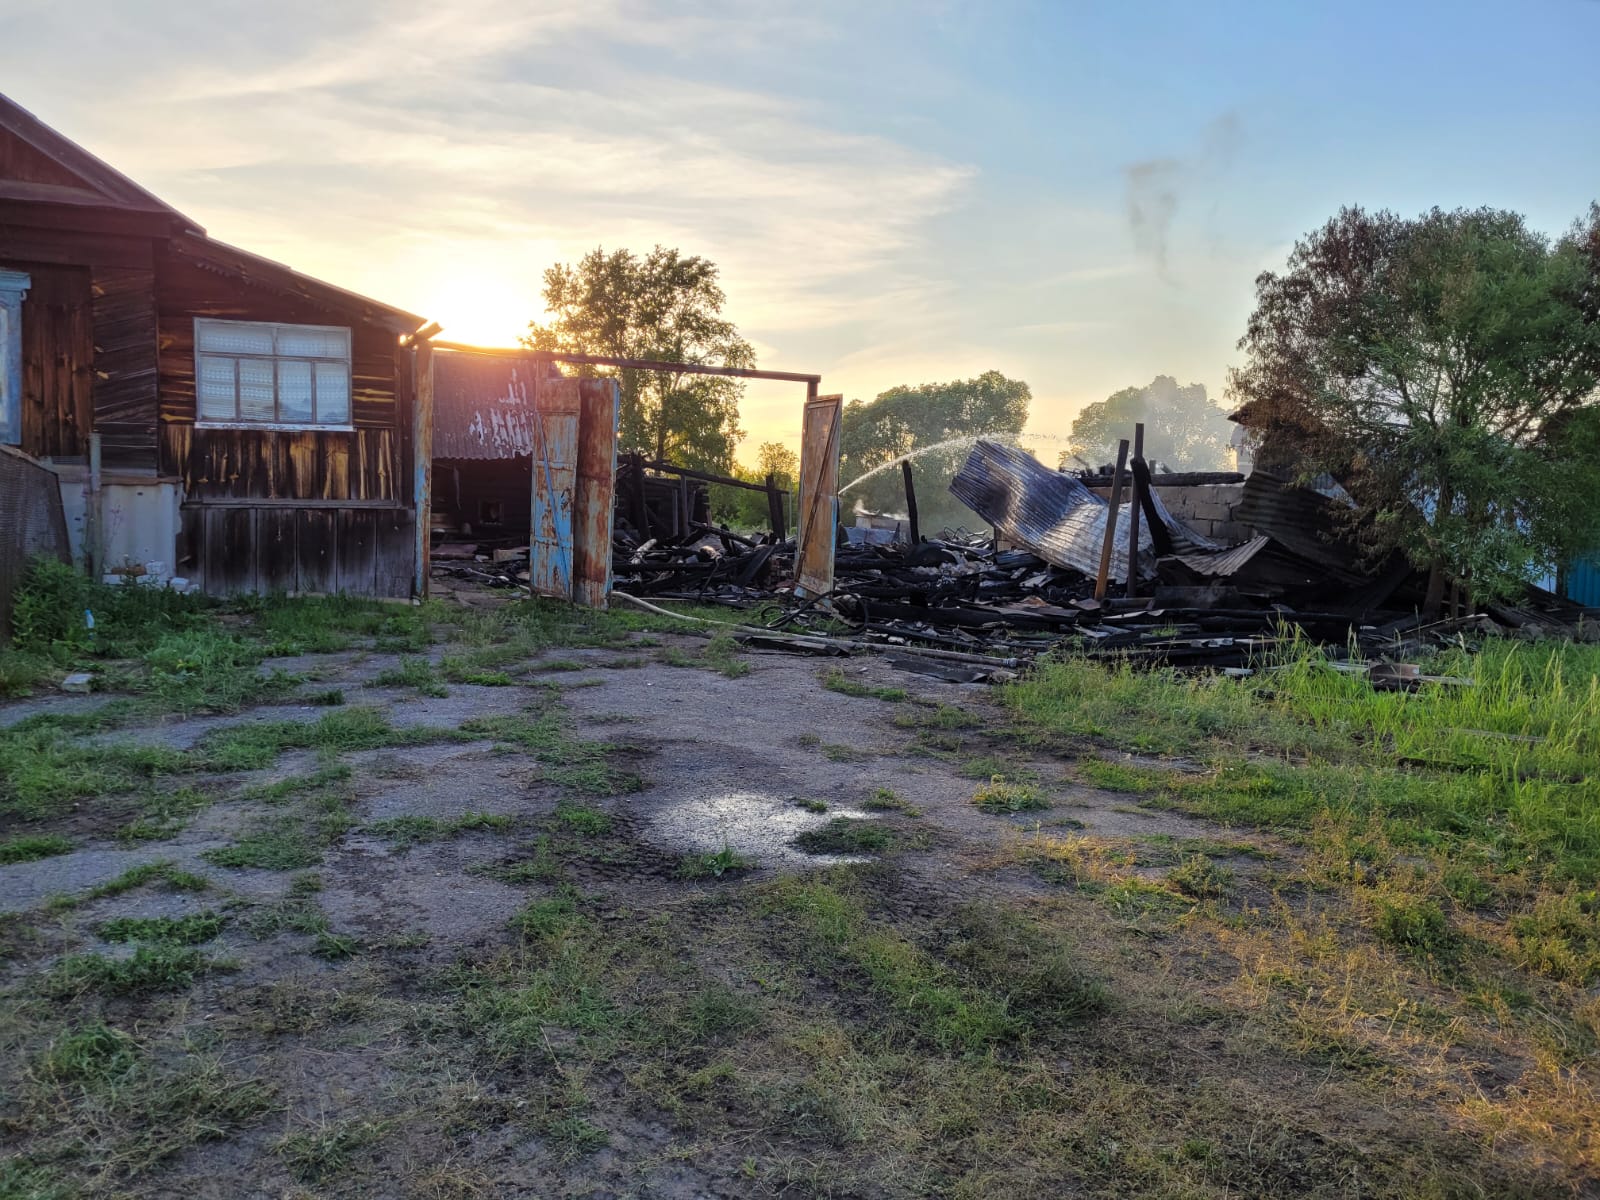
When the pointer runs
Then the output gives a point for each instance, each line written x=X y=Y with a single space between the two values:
x=775 y=831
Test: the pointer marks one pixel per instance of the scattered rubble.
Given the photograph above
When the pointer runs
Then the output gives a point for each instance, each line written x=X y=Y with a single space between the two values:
x=981 y=601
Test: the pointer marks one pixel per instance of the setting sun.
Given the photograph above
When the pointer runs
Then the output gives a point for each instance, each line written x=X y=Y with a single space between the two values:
x=483 y=310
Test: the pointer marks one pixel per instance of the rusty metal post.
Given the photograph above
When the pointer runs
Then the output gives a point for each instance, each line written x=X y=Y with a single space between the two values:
x=1109 y=543
x=1133 y=516
x=422 y=462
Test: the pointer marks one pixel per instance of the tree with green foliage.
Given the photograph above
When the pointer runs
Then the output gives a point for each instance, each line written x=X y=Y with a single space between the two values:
x=741 y=508
x=1445 y=370
x=904 y=419
x=662 y=306
x=1183 y=428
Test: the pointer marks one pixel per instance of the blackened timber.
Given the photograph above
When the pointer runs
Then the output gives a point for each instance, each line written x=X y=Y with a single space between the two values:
x=911 y=501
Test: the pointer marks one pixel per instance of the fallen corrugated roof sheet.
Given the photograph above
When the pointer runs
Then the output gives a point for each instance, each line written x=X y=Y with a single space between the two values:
x=1054 y=515
x=1301 y=520
x=481 y=406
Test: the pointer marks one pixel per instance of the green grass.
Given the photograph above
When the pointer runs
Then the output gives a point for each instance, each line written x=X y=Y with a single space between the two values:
x=716 y=865
x=836 y=680
x=251 y=746
x=885 y=800
x=1000 y=795
x=45 y=767
x=457 y=669
x=28 y=847
x=839 y=752
x=1002 y=978
x=1198 y=877
x=164 y=872
x=582 y=819
x=160 y=967
x=416 y=673
x=94 y=1056
x=567 y=761
x=719 y=653
x=185 y=931
x=327 y=1150
x=413 y=830
x=846 y=835
x=279 y=844
x=1502 y=764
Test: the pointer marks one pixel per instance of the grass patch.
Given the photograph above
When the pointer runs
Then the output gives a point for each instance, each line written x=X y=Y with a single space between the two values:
x=836 y=680
x=885 y=800
x=1198 y=877
x=1002 y=977
x=845 y=835
x=1001 y=795
x=328 y=1150
x=838 y=752
x=164 y=872
x=46 y=766
x=582 y=819
x=566 y=761
x=29 y=847
x=413 y=830
x=456 y=669
x=726 y=861
x=161 y=967
x=183 y=931
x=95 y=1056
x=720 y=653
x=280 y=844
x=249 y=747
x=416 y=673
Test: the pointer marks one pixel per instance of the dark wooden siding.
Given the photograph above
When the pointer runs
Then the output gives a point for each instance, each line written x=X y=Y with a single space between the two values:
x=57 y=361
x=246 y=464
x=234 y=548
x=316 y=511
x=125 y=370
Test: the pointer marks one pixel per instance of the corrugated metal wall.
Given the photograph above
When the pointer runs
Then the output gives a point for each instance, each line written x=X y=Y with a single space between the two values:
x=1583 y=582
x=31 y=523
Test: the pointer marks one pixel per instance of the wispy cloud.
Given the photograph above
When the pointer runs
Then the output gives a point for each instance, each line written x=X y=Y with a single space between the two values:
x=384 y=147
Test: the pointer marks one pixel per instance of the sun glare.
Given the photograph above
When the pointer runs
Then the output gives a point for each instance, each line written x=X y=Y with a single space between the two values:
x=483 y=311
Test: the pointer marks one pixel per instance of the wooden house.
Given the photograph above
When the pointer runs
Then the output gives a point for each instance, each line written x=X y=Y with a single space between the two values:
x=209 y=414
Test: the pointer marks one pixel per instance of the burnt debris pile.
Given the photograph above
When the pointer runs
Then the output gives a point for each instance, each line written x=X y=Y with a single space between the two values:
x=1102 y=565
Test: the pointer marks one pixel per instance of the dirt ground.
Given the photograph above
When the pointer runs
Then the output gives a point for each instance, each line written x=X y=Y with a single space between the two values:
x=669 y=991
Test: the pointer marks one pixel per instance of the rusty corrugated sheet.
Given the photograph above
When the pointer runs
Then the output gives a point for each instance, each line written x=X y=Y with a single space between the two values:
x=482 y=406
x=1048 y=512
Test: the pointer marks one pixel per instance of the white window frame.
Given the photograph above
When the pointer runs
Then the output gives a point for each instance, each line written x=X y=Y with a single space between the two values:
x=201 y=324
x=14 y=287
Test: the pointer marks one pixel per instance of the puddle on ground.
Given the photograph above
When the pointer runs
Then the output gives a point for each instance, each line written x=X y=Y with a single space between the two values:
x=761 y=827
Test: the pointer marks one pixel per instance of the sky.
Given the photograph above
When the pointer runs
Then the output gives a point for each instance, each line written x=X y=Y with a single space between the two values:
x=896 y=192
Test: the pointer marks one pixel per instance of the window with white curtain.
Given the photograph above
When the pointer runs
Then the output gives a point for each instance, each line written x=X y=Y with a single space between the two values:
x=260 y=374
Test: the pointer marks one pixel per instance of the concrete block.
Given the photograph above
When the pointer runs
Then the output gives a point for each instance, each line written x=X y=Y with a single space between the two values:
x=78 y=681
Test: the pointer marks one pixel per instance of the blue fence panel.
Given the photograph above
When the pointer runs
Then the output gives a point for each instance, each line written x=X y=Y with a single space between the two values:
x=1583 y=582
